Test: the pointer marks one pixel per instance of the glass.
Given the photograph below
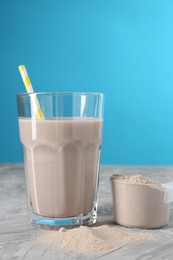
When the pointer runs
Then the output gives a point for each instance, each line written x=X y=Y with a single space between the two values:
x=61 y=156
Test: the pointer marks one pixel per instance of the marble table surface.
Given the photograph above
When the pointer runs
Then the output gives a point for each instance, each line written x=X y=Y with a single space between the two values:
x=16 y=234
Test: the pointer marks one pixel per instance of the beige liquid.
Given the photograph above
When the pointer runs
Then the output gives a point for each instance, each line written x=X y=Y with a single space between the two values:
x=61 y=163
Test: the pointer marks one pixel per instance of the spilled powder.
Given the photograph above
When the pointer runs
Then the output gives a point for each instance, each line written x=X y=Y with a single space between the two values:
x=92 y=240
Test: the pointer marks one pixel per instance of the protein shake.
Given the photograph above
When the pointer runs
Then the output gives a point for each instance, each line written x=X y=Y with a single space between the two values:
x=61 y=157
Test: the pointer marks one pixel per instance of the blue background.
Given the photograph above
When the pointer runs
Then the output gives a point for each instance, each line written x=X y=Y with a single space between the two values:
x=123 y=48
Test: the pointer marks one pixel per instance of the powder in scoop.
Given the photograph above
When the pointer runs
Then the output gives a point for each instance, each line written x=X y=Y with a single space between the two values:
x=134 y=179
x=92 y=240
x=139 y=201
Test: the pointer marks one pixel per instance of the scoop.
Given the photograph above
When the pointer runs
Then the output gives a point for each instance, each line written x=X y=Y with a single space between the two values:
x=141 y=202
x=168 y=187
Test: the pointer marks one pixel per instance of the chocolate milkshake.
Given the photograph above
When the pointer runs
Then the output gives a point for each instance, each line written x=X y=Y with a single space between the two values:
x=61 y=157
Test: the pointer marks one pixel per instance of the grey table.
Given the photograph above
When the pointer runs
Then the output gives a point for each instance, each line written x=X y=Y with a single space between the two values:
x=16 y=234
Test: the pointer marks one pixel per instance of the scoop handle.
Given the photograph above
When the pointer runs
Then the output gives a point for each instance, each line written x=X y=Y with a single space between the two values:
x=168 y=187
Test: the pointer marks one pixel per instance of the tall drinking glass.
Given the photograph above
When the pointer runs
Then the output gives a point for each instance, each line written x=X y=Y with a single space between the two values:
x=61 y=156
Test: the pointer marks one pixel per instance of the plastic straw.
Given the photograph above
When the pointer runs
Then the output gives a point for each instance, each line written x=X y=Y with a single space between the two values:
x=34 y=100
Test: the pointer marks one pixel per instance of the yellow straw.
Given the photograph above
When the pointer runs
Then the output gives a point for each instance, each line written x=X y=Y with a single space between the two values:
x=29 y=89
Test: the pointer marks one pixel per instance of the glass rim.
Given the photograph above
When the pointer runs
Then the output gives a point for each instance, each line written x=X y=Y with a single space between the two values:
x=61 y=93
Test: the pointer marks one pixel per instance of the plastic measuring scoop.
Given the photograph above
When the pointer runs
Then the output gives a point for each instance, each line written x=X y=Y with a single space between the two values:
x=168 y=187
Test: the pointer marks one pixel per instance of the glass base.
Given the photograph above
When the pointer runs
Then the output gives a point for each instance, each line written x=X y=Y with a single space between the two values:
x=45 y=222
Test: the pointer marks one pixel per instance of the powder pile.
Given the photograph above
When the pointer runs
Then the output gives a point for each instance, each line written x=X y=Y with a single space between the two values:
x=134 y=179
x=92 y=240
